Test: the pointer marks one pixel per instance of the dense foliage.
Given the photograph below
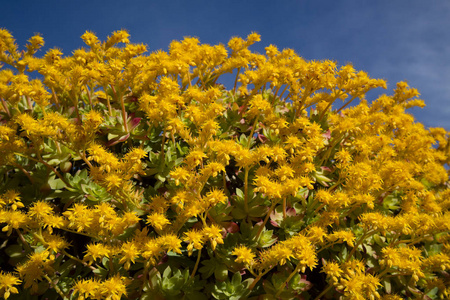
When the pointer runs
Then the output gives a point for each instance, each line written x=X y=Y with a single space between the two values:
x=140 y=176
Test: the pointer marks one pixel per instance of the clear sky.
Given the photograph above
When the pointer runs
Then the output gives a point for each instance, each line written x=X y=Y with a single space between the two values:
x=392 y=39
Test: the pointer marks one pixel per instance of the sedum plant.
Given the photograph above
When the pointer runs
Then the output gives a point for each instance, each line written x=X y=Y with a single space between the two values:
x=141 y=176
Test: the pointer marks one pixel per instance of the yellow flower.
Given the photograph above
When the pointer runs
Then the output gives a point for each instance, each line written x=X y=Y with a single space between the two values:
x=332 y=270
x=214 y=234
x=344 y=235
x=80 y=217
x=215 y=196
x=11 y=198
x=195 y=239
x=157 y=220
x=40 y=209
x=212 y=169
x=360 y=286
x=171 y=243
x=90 y=39
x=87 y=288
x=114 y=288
x=96 y=251
x=35 y=267
x=244 y=255
x=281 y=253
x=152 y=249
x=180 y=174
x=113 y=181
x=195 y=158
x=15 y=219
x=92 y=120
x=7 y=282
x=55 y=242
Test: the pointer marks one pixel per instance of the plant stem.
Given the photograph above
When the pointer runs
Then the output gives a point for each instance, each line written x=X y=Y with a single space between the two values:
x=57 y=289
x=284 y=90
x=30 y=105
x=252 y=132
x=246 y=190
x=224 y=180
x=280 y=289
x=258 y=278
x=24 y=171
x=265 y=220
x=24 y=242
x=324 y=292
x=255 y=282
x=361 y=239
x=348 y=102
x=5 y=107
x=56 y=172
x=162 y=147
x=196 y=263
x=78 y=260
x=122 y=104
x=236 y=80
x=55 y=98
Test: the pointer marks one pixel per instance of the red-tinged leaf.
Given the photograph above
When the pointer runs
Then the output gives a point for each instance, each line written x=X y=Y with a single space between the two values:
x=117 y=140
x=262 y=138
x=231 y=227
x=133 y=123
x=291 y=212
x=327 y=134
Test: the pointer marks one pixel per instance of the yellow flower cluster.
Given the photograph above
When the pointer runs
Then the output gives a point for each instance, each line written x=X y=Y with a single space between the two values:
x=124 y=164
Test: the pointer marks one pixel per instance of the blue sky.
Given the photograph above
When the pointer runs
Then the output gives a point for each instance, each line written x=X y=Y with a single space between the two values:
x=395 y=40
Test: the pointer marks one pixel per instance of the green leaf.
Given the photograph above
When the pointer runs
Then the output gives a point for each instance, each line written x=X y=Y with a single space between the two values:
x=236 y=280
x=266 y=238
x=240 y=193
x=167 y=272
x=257 y=211
x=238 y=213
x=387 y=286
x=221 y=272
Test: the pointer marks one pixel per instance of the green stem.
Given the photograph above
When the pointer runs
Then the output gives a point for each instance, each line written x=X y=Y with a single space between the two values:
x=284 y=90
x=348 y=102
x=24 y=242
x=224 y=179
x=385 y=271
x=27 y=174
x=56 y=172
x=5 y=107
x=252 y=132
x=111 y=265
x=78 y=260
x=246 y=189
x=282 y=286
x=324 y=292
x=265 y=220
x=196 y=263
x=327 y=154
x=361 y=239
x=325 y=110
x=55 y=99
x=162 y=148
x=258 y=278
x=122 y=104
x=255 y=282
x=30 y=105
x=236 y=80
x=56 y=287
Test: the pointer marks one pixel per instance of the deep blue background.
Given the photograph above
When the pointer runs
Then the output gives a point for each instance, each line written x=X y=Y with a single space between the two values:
x=395 y=40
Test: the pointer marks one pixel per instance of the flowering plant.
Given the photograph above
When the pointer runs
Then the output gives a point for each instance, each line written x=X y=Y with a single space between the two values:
x=141 y=176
